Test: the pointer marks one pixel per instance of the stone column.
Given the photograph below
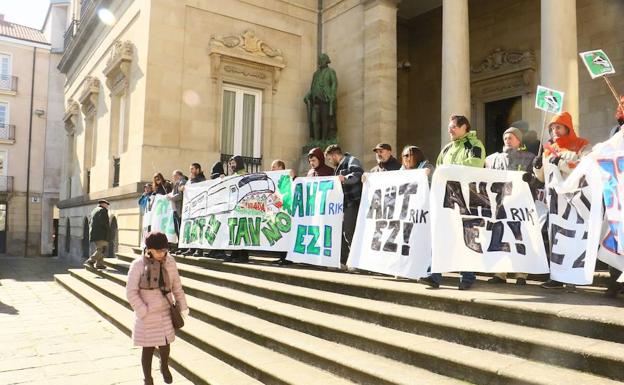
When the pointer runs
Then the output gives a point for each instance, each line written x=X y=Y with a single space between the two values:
x=559 y=54
x=455 y=63
x=380 y=77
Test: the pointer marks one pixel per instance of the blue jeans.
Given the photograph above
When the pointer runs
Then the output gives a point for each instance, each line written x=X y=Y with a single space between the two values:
x=465 y=277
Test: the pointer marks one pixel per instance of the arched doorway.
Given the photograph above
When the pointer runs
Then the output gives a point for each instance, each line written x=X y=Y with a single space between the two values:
x=113 y=240
x=85 y=238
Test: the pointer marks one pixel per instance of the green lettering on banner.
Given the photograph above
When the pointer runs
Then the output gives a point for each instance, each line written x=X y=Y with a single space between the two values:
x=283 y=222
x=328 y=241
x=161 y=207
x=297 y=201
x=187 y=231
x=310 y=197
x=212 y=229
x=284 y=186
x=167 y=225
x=324 y=187
x=271 y=233
x=242 y=232
x=232 y=225
x=200 y=223
x=299 y=246
x=254 y=230
x=313 y=245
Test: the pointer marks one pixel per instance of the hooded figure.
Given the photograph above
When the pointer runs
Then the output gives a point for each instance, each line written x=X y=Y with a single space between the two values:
x=322 y=169
x=217 y=170
x=564 y=150
x=237 y=165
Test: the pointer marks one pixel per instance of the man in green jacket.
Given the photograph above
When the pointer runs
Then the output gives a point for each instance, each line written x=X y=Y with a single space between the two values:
x=464 y=150
x=99 y=230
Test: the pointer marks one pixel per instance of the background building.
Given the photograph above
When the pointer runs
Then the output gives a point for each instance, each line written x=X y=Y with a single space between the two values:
x=153 y=85
x=31 y=101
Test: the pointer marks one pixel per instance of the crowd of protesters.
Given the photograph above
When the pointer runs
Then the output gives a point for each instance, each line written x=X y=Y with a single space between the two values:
x=563 y=149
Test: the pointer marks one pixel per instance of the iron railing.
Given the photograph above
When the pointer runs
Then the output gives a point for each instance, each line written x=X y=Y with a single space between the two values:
x=252 y=165
x=7 y=131
x=6 y=184
x=8 y=83
x=116 y=167
x=70 y=33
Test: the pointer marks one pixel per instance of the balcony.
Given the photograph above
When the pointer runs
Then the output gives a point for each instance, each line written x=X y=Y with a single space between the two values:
x=252 y=165
x=6 y=184
x=70 y=33
x=8 y=83
x=85 y=6
x=7 y=132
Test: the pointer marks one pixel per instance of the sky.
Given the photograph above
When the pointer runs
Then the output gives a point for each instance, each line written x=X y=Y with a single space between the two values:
x=27 y=12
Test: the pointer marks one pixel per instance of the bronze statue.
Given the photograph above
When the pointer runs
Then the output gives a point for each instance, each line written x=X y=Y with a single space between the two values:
x=321 y=101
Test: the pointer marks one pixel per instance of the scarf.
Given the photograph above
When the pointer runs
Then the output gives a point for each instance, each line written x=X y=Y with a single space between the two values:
x=154 y=275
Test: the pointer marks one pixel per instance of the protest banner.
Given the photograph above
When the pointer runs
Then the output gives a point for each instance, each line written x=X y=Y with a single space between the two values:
x=317 y=211
x=574 y=217
x=238 y=212
x=484 y=220
x=609 y=157
x=393 y=235
x=161 y=217
x=597 y=63
x=549 y=100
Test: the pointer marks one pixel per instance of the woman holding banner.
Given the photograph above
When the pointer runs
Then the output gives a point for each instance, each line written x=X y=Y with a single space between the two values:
x=414 y=158
x=236 y=165
x=564 y=149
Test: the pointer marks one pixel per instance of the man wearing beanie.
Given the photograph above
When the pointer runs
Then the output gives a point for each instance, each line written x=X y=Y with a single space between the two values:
x=99 y=231
x=514 y=156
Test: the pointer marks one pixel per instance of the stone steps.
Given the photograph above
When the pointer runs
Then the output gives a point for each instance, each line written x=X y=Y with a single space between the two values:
x=357 y=365
x=585 y=313
x=195 y=364
x=303 y=325
x=251 y=295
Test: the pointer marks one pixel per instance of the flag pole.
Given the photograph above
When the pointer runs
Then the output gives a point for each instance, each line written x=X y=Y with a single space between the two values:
x=613 y=91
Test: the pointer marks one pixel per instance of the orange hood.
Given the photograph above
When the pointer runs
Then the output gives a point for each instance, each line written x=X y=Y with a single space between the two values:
x=570 y=142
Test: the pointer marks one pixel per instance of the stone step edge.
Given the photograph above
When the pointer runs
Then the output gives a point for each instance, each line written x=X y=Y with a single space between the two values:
x=509 y=313
x=122 y=319
x=596 y=363
x=256 y=370
x=477 y=372
x=347 y=367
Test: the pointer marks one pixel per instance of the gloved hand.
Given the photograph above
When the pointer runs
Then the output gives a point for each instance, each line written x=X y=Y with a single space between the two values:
x=537 y=162
x=569 y=156
x=555 y=160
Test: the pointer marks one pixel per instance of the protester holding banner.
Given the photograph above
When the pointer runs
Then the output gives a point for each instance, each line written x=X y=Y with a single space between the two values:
x=160 y=186
x=514 y=156
x=236 y=164
x=465 y=150
x=564 y=149
x=413 y=159
x=316 y=158
x=217 y=170
x=144 y=199
x=349 y=171
x=175 y=196
x=385 y=160
x=197 y=176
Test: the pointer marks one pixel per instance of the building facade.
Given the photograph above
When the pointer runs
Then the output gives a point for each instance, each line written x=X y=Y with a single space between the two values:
x=31 y=102
x=154 y=85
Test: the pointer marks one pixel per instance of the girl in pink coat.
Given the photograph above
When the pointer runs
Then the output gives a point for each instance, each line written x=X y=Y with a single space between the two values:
x=154 y=271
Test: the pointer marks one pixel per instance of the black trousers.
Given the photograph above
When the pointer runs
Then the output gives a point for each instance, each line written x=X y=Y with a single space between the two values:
x=348 y=228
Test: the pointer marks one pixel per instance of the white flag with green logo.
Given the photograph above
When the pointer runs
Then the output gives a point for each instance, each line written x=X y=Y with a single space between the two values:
x=549 y=100
x=597 y=63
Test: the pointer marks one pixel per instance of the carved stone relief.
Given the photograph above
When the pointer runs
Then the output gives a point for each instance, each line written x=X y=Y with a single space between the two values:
x=118 y=66
x=89 y=95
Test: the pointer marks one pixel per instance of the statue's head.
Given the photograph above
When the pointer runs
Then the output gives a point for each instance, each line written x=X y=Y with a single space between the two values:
x=323 y=60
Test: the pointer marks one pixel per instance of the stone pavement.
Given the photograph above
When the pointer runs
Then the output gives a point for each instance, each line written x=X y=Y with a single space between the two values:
x=48 y=336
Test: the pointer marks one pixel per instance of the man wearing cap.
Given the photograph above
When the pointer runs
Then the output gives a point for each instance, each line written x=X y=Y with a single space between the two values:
x=514 y=156
x=99 y=230
x=385 y=160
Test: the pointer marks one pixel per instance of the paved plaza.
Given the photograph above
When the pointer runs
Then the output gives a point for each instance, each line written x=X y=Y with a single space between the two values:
x=48 y=336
